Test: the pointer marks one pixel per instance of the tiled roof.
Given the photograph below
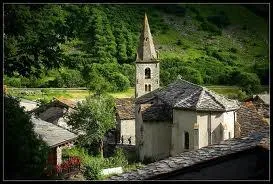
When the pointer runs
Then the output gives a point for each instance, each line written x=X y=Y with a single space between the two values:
x=52 y=134
x=157 y=112
x=186 y=95
x=249 y=119
x=191 y=158
x=125 y=108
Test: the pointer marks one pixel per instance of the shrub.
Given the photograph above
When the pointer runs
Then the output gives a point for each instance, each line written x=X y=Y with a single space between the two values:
x=206 y=26
x=220 y=20
x=233 y=50
x=13 y=81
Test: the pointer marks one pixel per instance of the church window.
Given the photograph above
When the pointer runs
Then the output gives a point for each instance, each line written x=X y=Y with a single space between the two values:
x=137 y=81
x=229 y=135
x=147 y=73
x=146 y=39
x=146 y=87
x=149 y=87
x=187 y=140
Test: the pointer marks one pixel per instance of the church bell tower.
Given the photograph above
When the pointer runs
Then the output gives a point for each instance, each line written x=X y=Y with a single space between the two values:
x=147 y=63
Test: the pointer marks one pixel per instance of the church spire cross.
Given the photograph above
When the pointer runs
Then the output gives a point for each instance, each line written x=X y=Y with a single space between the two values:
x=146 y=50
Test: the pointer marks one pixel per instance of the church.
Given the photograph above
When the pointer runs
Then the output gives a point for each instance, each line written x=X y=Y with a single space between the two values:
x=179 y=117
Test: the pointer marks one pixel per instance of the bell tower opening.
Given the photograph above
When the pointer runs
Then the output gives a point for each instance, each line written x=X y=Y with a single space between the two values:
x=147 y=73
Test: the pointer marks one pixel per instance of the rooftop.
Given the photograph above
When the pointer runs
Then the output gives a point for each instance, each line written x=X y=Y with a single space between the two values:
x=52 y=134
x=125 y=108
x=182 y=94
x=191 y=158
x=249 y=119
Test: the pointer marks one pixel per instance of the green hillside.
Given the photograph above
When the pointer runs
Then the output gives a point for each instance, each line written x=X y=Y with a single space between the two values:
x=94 y=46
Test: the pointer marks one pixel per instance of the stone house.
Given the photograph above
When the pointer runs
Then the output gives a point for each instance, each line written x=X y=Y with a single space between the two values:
x=56 y=138
x=181 y=117
x=55 y=111
x=125 y=120
x=262 y=104
x=249 y=120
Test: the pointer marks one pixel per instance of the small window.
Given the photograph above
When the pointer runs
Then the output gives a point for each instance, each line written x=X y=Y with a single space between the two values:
x=149 y=87
x=146 y=87
x=146 y=39
x=137 y=81
x=147 y=73
x=187 y=140
x=229 y=135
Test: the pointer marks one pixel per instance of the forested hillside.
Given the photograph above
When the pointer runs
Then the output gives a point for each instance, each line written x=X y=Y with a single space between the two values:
x=94 y=46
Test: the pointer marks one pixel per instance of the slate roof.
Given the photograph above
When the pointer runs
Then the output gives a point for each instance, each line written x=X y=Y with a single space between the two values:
x=156 y=112
x=189 y=159
x=125 y=108
x=182 y=94
x=249 y=119
x=52 y=134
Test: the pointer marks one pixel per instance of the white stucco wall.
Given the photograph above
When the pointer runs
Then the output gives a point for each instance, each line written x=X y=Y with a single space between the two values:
x=202 y=119
x=127 y=129
x=229 y=121
x=183 y=121
x=157 y=140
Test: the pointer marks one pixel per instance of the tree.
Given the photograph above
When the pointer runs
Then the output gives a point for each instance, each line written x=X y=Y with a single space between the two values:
x=94 y=117
x=25 y=154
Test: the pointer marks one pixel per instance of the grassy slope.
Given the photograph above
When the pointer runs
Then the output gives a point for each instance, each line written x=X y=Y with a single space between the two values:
x=233 y=35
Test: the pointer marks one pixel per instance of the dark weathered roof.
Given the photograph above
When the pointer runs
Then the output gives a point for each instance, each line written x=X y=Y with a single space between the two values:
x=53 y=135
x=125 y=108
x=186 y=95
x=157 y=112
x=249 y=119
x=191 y=158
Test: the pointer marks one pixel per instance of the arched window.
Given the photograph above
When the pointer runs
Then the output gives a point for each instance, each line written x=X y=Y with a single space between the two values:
x=146 y=87
x=149 y=87
x=187 y=140
x=147 y=73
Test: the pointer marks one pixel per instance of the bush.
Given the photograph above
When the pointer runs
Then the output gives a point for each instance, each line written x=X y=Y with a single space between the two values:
x=12 y=81
x=206 y=26
x=233 y=50
x=220 y=20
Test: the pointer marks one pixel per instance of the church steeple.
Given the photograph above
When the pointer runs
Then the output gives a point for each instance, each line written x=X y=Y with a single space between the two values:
x=147 y=63
x=146 y=50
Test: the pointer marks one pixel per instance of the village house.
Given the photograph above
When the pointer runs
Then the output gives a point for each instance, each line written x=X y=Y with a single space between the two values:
x=55 y=111
x=125 y=121
x=261 y=103
x=249 y=120
x=56 y=138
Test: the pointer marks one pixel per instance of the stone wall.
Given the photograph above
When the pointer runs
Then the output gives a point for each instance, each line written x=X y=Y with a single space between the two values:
x=140 y=77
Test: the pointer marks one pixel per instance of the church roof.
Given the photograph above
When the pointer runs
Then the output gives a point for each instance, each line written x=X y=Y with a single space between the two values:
x=203 y=155
x=182 y=94
x=146 y=50
x=156 y=112
x=125 y=108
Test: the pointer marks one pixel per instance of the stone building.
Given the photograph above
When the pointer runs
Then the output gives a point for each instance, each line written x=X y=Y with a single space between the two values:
x=147 y=63
x=56 y=138
x=249 y=120
x=181 y=117
x=55 y=111
x=125 y=120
